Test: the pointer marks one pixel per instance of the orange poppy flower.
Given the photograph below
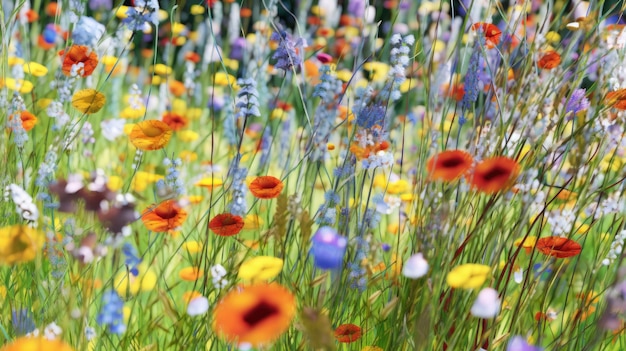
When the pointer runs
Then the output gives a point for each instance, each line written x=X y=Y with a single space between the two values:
x=226 y=224
x=558 y=247
x=348 y=333
x=174 y=120
x=456 y=92
x=52 y=9
x=28 y=120
x=31 y=16
x=449 y=165
x=266 y=187
x=190 y=274
x=192 y=57
x=617 y=99
x=168 y=215
x=256 y=314
x=36 y=343
x=549 y=60
x=79 y=54
x=494 y=174
x=491 y=32
x=150 y=135
x=177 y=88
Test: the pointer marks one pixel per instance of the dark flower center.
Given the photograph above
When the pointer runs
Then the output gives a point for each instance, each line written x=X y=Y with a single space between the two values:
x=166 y=213
x=452 y=162
x=496 y=172
x=259 y=313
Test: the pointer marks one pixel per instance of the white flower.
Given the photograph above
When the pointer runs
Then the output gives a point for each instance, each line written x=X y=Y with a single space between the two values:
x=487 y=304
x=415 y=267
x=112 y=128
x=198 y=306
x=52 y=331
x=518 y=276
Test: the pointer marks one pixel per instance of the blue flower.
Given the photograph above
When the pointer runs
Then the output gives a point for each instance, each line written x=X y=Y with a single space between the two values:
x=22 y=321
x=576 y=103
x=328 y=248
x=132 y=258
x=112 y=312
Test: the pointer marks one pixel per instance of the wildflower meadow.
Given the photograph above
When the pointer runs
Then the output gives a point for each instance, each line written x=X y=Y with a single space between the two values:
x=313 y=175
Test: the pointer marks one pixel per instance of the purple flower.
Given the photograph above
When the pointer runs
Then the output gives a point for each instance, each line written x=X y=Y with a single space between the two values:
x=357 y=8
x=328 y=248
x=517 y=343
x=576 y=103
x=286 y=56
x=96 y=5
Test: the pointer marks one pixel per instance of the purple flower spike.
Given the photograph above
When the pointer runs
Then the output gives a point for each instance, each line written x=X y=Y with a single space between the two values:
x=517 y=343
x=328 y=248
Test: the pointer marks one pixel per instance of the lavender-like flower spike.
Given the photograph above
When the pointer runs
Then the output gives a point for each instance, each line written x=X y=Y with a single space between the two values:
x=576 y=103
x=286 y=55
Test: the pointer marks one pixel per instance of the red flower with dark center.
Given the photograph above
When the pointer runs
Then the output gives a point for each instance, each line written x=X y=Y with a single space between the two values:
x=168 y=215
x=79 y=54
x=255 y=314
x=266 y=187
x=494 y=174
x=558 y=247
x=449 y=165
x=226 y=224
x=174 y=120
x=348 y=333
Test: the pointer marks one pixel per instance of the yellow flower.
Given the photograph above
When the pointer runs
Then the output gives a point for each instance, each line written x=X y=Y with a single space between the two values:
x=378 y=70
x=126 y=282
x=188 y=135
x=209 y=182
x=121 y=12
x=260 y=268
x=468 y=276
x=35 y=69
x=252 y=221
x=224 y=79
x=115 y=183
x=197 y=10
x=192 y=247
x=133 y=113
x=88 y=100
x=19 y=243
x=161 y=69
x=23 y=86
x=142 y=179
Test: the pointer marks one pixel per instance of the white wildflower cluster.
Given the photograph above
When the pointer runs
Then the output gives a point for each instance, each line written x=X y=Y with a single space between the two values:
x=52 y=331
x=562 y=221
x=218 y=272
x=617 y=246
x=55 y=110
x=24 y=205
x=20 y=137
x=381 y=159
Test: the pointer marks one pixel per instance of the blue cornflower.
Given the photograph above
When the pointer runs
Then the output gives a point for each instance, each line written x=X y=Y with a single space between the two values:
x=286 y=56
x=136 y=20
x=112 y=312
x=132 y=258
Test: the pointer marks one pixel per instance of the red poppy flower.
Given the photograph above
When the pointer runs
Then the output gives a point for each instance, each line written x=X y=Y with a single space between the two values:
x=491 y=32
x=348 y=333
x=494 y=174
x=168 y=215
x=226 y=224
x=449 y=165
x=549 y=60
x=192 y=57
x=266 y=187
x=558 y=247
x=78 y=54
x=174 y=120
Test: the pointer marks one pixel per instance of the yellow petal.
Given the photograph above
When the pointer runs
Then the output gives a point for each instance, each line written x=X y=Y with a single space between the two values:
x=88 y=101
x=468 y=276
x=36 y=69
x=260 y=268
